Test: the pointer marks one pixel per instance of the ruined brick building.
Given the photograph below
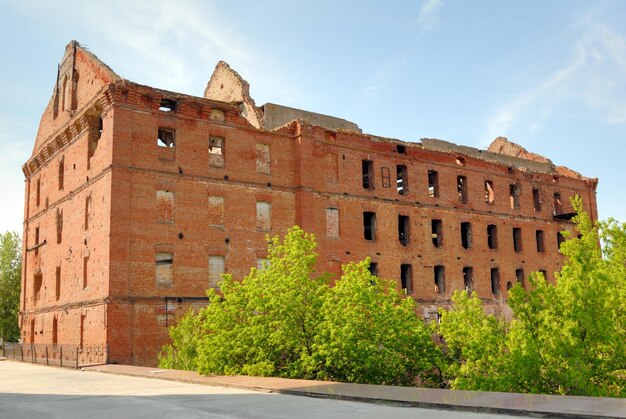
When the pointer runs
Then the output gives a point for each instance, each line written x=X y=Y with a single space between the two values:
x=137 y=199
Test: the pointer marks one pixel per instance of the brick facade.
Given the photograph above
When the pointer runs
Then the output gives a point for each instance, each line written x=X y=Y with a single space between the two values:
x=138 y=198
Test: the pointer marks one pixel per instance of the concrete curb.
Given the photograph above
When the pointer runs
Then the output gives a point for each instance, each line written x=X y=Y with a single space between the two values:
x=533 y=405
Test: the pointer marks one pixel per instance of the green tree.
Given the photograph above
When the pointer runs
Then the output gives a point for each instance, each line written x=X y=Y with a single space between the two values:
x=371 y=334
x=566 y=338
x=10 y=283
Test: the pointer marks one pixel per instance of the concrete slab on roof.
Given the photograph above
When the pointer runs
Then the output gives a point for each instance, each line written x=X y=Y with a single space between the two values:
x=279 y=115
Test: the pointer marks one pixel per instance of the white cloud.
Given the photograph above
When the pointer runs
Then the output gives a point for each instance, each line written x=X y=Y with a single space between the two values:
x=427 y=17
x=595 y=75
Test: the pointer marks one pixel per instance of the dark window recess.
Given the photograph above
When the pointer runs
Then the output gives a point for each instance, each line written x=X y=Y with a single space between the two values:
x=536 y=199
x=560 y=239
x=57 y=285
x=466 y=235
x=558 y=205
x=509 y=285
x=468 y=279
x=61 y=173
x=490 y=196
x=517 y=239
x=38 y=192
x=520 y=277
x=403 y=229
x=166 y=138
x=168 y=105
x=514 y=193
x=492 y=236
x=367 y=168
x=402 y=184
x=440 y=279
x=406 y=278
x=437 y=232
x=540 y=241
x=385 y=177
x=495 y=281
x=461 y=187
x=373 y=268
x=37 y=282
x=401 y=149
x=544 y=273
x=59 y=220
x=433 y=183
x=369 y=225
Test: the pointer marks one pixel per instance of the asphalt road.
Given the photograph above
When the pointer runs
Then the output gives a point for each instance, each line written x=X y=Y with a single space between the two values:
x=36 y=391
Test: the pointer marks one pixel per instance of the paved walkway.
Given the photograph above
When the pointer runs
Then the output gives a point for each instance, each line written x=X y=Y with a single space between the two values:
x=472 y=401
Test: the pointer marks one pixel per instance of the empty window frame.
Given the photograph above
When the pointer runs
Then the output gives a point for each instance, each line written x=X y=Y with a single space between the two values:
x=369 y=225
x=263 y=162
x=57 y=283
x=437 y=232
x=403 y=229
x=558 y=205
x=85 y=271
x=406 y=278
x=468 y=279
x=61 y=173
x=164 y=269
x=461 y=188
x=165 y=206
x=166 y=138
x=373 y=268
x=37 y=282
x=490 y=196
x=466 y=235
x=560 y=239
x=439 y=276
x=515 y=190
x=216 y=269
x=520 y=277
x=216 y=211
x=402 y=183
x=492 y=236
x=536 y=199
x=216 y=151
x=544 y=273
x=263 y=215
x=367 y=172
x=55 y=331
x=433 y=183
x=495 y=281
x=517 y=239
x=539 y=236
x=168 y=105
x=401 y=149
x=59 y=225
x=332 y=223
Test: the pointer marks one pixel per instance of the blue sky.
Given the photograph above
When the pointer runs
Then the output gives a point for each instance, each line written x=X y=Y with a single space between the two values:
x=549 y=75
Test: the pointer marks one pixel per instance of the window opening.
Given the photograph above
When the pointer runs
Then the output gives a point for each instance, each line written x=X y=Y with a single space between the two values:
x=468 y=279
x=406 y=278
x=536 y=199
x=437 y=232
x=59 y=225
x=560 y=239
x=492 y=236
x=466 y=235
x=216 y=151
x=433 y=183
x=440 y=280
x=495 y=281
x=544 y=273
x=37 y=282
x=367 y=169
x=87 y=210
x=61 y=173
x=461 y=186
x=403 y=229
x=514 y=194
x=517 y=239
x=509 y=285
x=540 y=241
x=216 y=210
x=520 y=277
x=263 y=162
x=168 y=105
x=460 y=161
x=401 y=149
x=402 y=184
x=166 y=138
x=369 y=225
x=263 y=215
x=558 y=205
x=55 y=340
x=85 y=271
x=373 y=268
x=216 y=269
x=38 y=192
x=57 y=284
x=164 y=269
x=490 y=196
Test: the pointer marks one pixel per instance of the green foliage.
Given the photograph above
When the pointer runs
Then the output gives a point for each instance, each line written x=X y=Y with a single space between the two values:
x=370 y=334
x=10 y=283
x=567 y=338
x=182 y=353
